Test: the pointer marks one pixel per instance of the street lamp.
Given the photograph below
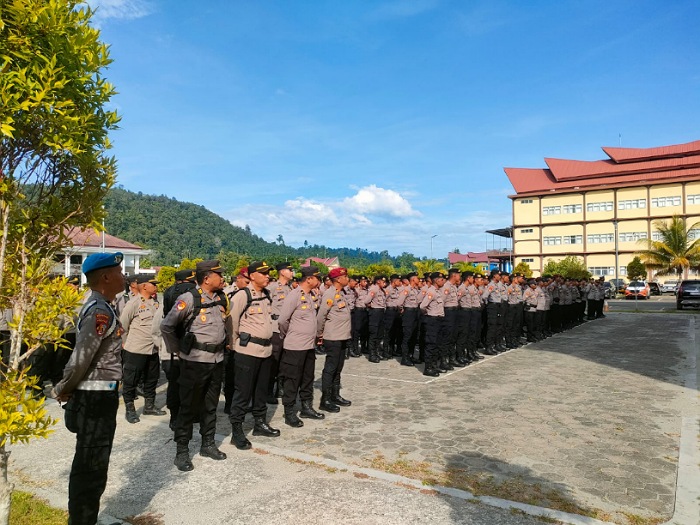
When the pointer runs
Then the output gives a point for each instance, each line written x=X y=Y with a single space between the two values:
x=431 y=246
x=617 y=266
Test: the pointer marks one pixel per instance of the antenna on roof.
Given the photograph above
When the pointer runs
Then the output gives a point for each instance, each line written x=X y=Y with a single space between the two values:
x=619 y=136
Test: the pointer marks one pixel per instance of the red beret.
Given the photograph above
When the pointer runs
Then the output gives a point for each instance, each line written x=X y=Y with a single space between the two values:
x=337 y=272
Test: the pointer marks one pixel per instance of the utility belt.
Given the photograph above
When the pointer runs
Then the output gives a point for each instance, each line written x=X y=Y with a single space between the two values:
x=451 y=308
x=275 y=317
x=189 y=341
x=210 y=347
x=97 y=385
x=246 y=338
x=392 y=307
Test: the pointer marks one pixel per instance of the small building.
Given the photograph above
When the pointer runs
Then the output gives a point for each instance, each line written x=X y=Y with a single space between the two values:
x=331 y=262
x=86 y=241
x=486 y=261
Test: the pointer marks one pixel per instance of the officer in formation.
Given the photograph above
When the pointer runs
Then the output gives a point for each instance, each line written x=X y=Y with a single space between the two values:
x=278 y=290
x=90 y=385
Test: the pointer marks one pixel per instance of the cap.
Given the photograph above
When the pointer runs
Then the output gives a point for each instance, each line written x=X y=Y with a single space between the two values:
x=146 y=278
x=183 y=275
x=97 y=261
x=74 y=280
x=283 y=266
x=363 y=278
x=437 y=275
x=479 y=275
x=355 y=277
x=337 y=272
x=209 y=266
x=258 y=266
x=379 y=278
x=310 y=271
x=243 y=272
x=531 y=282
x=426 y=275
x=452 y=270
x=467 y=274
x=411 y=274
x=394 y=276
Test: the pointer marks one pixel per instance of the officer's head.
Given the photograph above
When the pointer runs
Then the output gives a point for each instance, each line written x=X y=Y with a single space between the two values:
x=285 y=270
x=209 y=275
x=438 y=278
x=339 y=275
x=147 y=284
x=259 y=274
x=104 y=273
x=453 y=275
x=242 y=278
x=413 y=279
x=310 y=277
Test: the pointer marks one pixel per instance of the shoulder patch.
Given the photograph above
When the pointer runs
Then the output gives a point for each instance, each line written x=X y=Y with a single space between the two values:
x=181 y=305
x=329 y=302
x=101 y=324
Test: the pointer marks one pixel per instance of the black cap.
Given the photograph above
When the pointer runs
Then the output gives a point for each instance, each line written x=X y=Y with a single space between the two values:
x=394 y=276
x=363 y=278
x=310 y=271
x=258 y=266
x=437 y=275
x=211 y=265
x=183 y=275
x=410 y=274
x=452 y=270
x=146 y=278
x=426 y=275
x=467 y=274
x=379 y=278
x=283 y=266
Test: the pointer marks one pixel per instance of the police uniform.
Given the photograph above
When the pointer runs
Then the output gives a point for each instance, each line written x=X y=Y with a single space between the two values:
x=203 y=335
x=360 y=321
x=278 y=293
x=392 y=317
x=376 y=302
x=492 y=297
x=450 y=323
x=433 y=307
x=351 y=297
x=91 y=379
x=409 y=320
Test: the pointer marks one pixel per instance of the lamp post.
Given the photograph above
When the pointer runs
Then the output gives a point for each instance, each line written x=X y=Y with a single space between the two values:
x=617 y=266
x=431 y=246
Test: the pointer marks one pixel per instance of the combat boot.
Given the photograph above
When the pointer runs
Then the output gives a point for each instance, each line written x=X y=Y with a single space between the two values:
x=327 y=403
x=430 y=370
x=373 y=354
x=238 y=437
x=337 y=398
x=455 y=363
x=308 y=412
x=131 y=415
x=291 y=418
x=150 y=409
x=182 y=457
x=261 y=428
x=446 y=364
x=209 y=450
x=354 y=350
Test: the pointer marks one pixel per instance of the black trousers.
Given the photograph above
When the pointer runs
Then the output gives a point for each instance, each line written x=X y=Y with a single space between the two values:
x=409 y=327
x=297 y=370
x=229 y=376
x=359 y=323
x=555 y=317
x=493 y=316
x=171 y=367
x=463 y=321
x=92 y=417
x=275 y=366
x=392 y=327
x=433 y=327
x=335 y=361
x=421 y=336
x=474 y=330
x=376 y=328
x=200 y=387
x=531 y=323
x=449 y=341
x=138 y=367
x=251 y=379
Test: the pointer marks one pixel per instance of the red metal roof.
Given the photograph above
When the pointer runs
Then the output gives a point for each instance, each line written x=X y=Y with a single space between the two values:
x=470 y=257
x=563 y=169
x=93 y=238
x=633 y=154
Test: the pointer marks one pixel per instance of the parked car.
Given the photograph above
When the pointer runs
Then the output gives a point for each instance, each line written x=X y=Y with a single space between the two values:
x=669 y=286
x=688 y=294
x=654 y=288
x=637 y=289
x=619 y=284
x=608 y=290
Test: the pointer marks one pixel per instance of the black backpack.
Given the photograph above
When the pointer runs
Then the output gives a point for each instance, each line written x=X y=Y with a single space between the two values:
x=197 y=306
x=250 y=300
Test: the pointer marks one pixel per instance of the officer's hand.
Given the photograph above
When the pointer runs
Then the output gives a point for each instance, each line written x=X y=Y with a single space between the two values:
x=63 y=398
x=319 y=340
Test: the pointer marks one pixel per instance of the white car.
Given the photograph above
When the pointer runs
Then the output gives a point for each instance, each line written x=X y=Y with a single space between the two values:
x=669 y=287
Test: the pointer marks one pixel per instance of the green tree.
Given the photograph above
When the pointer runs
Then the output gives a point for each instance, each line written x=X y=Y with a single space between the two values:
x=382 y=268
x=675 y=252
x=467 y=267
x=428 y=266
x=523 y=268
x=636 y=269
x=166 y=277
x=55 y=172
x=570 y=267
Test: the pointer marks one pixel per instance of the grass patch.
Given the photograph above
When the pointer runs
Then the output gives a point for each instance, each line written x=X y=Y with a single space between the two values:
x=27 y=509
x=147 y=518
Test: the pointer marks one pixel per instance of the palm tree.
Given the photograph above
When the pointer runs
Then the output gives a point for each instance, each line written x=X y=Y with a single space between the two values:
x=675 y=252
x=428 y=266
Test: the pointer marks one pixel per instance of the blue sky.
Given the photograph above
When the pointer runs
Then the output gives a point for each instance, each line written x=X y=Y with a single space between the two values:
x=381 y=124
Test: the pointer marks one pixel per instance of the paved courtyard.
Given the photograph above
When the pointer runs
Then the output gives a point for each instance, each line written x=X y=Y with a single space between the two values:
x=588 y=421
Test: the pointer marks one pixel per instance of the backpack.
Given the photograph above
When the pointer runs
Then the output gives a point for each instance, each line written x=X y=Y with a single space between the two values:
x=198 y=306
x=250 y=300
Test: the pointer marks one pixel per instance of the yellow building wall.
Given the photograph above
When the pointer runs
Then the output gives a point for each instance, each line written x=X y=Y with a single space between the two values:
x=561 y=201
x=527 y=247
x=632 y=227
x=560 y=231
x=666 y=190
x=624 y=194
x=526 y=213
x=692 y=188
x=600 y=196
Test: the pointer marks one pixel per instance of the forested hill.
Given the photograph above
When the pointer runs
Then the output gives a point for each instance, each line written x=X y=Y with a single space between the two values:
x=175 y=230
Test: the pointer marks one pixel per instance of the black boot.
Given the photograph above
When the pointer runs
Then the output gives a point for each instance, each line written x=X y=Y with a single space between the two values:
x=238 y=437
x=446 y=364
x=327 y=403
x=354 y=350
x=131 y=415
x=308 y=412
x=373 y=354
x=209 y=450
x=271 y=399
x=291 y=418
x=430 y=370
x=455 y=363
x=182 y=458
x=337 y=399
x=227 y=407
x=261 y=428
x=150 y=409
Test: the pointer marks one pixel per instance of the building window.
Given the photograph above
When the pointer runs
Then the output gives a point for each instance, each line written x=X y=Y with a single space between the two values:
x=76 y=259
x=573 y=208
x=656 y=236
x=599 y=206
x=693 y=199
x=693 y=234
x=632 y=236
x=551 y=210
x=573 y=239
x=602 y=270
x=662 y=202
x=551 y=241
x=632 y=204
x=526 y=230
x=527 y=260
x=601 y=237
x=623 y=270
x=526 y=201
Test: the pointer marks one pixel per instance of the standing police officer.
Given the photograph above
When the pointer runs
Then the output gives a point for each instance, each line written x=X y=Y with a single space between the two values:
x=90 y=384
x=433 y=308
x=278 y=290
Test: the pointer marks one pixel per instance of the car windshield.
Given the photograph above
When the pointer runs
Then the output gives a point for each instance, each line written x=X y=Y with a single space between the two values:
x=637 y=283
x=693 y=285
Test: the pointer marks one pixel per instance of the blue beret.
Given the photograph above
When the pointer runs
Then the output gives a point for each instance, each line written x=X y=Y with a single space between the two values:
x=97 y=261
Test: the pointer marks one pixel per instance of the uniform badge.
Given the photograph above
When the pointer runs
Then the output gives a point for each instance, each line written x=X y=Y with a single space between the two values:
x=119 y=331
x=303 y=298
x=341 y=305
x=101 y=323
x=203 y=318
x=281 y=296
x=259 y=310
x=337 y=296
x=303 y=307
x=329 y=302
x=181 y=305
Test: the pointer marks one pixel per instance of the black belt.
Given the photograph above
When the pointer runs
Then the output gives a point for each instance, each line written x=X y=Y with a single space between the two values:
x=410 y=308
x=392 y=307
x=451 y=307
x=261 y=342
x=275 y=317
x=209 y=347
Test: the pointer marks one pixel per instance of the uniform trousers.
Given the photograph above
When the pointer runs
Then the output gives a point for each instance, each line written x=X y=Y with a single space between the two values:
x=474 y=328
x=335 y=362
x=276 y=356
x=591 y=309
x=392 y=328
x=297 y=372
x=555 y=317
x=493 y=313
x=251 y=379
x=200 y=387
x=463 y=321
x=448 y=338
x=92 y=417
x=376 y=328
x=171 y=367
x=229 y=376
x=421 y=336
x=359 y=328
x=409 y=327
x=433 y=326
x=530 y=323
x=514 y=322
x=137 y=368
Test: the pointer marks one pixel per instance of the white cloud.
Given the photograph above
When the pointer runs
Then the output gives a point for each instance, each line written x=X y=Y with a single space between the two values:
x=120 y=9
x=373 y=200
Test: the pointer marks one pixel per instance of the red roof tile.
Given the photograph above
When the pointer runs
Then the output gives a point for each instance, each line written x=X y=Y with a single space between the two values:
x=93 y=238
x=563 y=169
x=634 y=154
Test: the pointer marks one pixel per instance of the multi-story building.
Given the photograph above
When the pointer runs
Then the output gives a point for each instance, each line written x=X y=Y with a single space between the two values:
x=598 y=209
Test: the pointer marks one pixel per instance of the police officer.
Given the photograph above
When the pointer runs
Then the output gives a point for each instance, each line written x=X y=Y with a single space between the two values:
x=126 y=295
x=410 y=318
x=392 y=315
x=278 y=290
x=376 y=302
x=297 y=328
x=251 y=336
x=140 y=359
x=350 y=297
x=492 y=296
x=334 y=329
x=450 y=324
x=360 y=317
x=198 y=326
x=90 y=386
x=433 y=308
x=242 y=280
